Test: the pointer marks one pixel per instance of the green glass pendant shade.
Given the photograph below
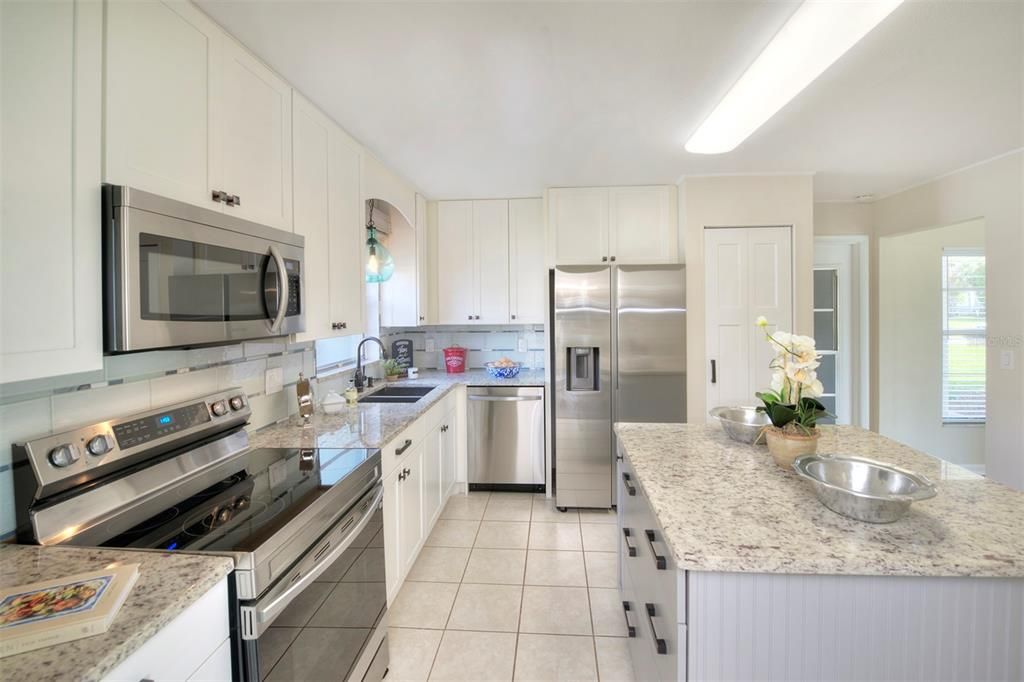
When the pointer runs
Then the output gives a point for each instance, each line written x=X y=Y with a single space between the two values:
x=379 y=263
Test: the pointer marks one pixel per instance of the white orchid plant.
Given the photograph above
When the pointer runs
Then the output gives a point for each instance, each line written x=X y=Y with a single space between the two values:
x=795 y=387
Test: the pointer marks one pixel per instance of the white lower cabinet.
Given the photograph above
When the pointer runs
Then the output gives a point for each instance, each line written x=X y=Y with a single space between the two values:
x=419 y=476
x=204 y=627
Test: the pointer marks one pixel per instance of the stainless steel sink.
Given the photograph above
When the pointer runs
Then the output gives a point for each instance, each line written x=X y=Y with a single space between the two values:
x=397 y=394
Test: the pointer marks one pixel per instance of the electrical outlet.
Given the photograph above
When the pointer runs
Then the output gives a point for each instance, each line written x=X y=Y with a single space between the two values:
x=431 y=344
x=274 y=380
x=523 y=347
x=1007 y=359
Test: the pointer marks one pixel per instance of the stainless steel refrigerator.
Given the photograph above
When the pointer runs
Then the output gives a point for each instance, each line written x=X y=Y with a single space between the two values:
x=619 y=355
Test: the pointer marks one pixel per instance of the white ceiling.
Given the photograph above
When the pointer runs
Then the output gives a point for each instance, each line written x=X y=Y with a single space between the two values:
x=496 y=99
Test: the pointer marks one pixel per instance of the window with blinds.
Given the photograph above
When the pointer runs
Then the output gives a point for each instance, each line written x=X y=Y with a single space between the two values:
x=963 y=336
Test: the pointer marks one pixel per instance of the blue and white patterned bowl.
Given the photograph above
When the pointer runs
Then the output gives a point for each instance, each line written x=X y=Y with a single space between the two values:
x=501 y=372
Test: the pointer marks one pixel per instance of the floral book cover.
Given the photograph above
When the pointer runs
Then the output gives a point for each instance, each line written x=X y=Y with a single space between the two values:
x=63 y=609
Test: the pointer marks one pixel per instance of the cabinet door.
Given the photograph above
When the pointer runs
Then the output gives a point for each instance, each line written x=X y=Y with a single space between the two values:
x=432 y=477
x=253 y=124
x=310 y=137
x=50 y=124
x=159 y=60
x=392 y=532
x=527 y=272
x=448 y=455
x=422 y=263
x=578 y=225
x=455 y=280
x=490 y=249
x=347 y=235
x=643 y=227
x=410 y=510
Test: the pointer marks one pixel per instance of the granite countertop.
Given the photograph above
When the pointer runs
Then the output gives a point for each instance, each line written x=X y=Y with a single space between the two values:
x=725 y=506
x=372 y=425
x=168 y=584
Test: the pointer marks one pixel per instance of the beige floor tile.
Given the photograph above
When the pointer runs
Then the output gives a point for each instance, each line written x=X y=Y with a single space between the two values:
x=508 y=507
x=598 y=516
x=491 y=608
x=496 y=566
x=368 y=568
x=555 y=536
x=466 y=507
x=453 y=533
x=350 y=605
x=302 y=608
x=606 y=607
x=475 y=656
x=559 y=568
x=411 y=653
x=613 y=661
x=422 y=605
x=503 y=535
x=440 y=564
x=600 y=537
x=602 y=569
x=319 y=654
x=555 y=611
x=544 y=511
x=555 y=657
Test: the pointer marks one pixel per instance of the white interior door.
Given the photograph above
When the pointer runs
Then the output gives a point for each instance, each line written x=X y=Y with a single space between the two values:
x=748 y=273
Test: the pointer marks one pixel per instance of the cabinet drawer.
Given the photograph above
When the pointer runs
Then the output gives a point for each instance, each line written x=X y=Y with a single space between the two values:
x=399 y=447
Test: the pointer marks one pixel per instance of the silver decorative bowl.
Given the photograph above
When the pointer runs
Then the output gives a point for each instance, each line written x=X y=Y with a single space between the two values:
x=743 y=424
x=861 y=488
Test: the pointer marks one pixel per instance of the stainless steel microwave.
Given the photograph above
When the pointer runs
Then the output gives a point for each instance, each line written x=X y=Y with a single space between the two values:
x=177 y=275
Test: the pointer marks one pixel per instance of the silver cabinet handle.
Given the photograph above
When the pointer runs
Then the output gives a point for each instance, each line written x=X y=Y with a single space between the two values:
x=505 y=398
x=660 y=645
x=659 y=559
x=282 y=289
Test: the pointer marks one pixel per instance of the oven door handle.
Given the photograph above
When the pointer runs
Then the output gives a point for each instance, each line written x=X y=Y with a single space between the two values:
x=256 y=618
x=282 y=290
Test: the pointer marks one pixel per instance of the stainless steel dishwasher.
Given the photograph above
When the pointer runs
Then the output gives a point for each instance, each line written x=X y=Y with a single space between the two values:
x=506 y=438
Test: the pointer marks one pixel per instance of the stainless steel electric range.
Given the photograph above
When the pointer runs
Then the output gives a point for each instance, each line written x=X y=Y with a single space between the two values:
x=298 y=523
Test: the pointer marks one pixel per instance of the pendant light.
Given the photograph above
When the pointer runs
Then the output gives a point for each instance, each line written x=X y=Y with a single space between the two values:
x=379 y=263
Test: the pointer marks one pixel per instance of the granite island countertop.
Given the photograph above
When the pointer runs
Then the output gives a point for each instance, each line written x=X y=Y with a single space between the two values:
x=168 y=584
x=372 y=425
x=725 y=506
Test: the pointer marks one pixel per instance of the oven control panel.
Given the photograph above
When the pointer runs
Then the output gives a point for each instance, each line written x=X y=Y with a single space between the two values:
x=139 y=431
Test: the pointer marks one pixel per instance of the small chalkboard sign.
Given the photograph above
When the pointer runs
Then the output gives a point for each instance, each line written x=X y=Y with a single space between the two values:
x=401 y=351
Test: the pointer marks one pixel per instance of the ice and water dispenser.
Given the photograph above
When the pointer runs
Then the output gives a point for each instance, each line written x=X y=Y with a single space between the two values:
x=583 y=368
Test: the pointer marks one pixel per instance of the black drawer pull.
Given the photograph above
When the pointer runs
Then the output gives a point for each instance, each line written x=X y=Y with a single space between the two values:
x=631 y=548
x=405 y=446
x=659 y=559
x=659 y=643
x=631 y=489
x=626 y=608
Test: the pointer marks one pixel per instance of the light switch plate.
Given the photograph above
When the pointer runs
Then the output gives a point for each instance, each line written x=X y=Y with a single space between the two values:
x=522 y=344
x=1007 y=358
x=431 y=345
x=274 y=380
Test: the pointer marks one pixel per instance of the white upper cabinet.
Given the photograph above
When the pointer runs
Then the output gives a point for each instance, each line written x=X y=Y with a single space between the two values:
x=50 y=132
x=159 y=61
x=347 y=235
x=490 y=256
x=254 y=124
x=455 y=267
x=527 y=271
x=627 y=225
x=425 y=315
x=191 y=115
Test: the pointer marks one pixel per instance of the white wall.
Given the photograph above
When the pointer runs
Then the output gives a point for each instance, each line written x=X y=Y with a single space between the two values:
x=741 y=201
x=910 y=345
x=993 y=191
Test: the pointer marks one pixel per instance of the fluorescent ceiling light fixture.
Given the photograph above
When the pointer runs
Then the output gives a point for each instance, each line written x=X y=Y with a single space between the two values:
x=818 y=33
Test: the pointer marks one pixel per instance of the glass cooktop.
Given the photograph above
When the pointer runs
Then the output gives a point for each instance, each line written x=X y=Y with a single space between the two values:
x=270 y=487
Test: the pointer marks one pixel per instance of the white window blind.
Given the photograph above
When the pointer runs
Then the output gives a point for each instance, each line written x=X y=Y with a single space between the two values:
x=963 y=336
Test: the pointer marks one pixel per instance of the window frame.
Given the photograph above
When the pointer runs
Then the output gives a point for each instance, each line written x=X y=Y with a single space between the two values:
x=947 y=332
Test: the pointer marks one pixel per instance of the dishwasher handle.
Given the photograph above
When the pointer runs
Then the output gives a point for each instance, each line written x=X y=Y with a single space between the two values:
x=505 y=398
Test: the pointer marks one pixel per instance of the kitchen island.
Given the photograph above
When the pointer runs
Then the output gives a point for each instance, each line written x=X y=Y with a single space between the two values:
x=733 y=569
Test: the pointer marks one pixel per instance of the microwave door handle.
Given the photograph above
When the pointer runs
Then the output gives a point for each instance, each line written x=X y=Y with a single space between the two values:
x=266 y=613
x=282 y=290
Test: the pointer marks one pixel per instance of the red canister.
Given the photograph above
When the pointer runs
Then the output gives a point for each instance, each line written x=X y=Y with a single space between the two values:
x=455 y=360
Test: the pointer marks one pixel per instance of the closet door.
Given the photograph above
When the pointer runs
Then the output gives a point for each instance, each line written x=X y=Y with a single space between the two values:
x=748 y=273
